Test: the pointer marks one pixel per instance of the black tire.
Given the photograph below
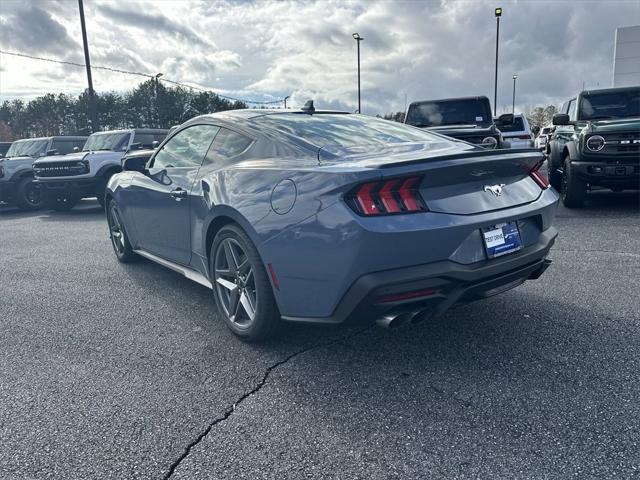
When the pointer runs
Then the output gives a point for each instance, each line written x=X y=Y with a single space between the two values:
x=245 y=276
x=574 y=189
x=101 y=189
x=28 y=195
x=118 y=235
x=555 y=175
x=61 y=202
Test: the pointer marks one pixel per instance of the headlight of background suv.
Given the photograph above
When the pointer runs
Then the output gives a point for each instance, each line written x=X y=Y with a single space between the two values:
x=595 y=143
x=489 y=142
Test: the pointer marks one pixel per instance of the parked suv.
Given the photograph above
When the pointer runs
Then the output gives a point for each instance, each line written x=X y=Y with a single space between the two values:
x=596 y=143
x=542 y=139
x=518 y=134
x=4 y=148
x=467 y=119
x=16 y=174
x=66 y=180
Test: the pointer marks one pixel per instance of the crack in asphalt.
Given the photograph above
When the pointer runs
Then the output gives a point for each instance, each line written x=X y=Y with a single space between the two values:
x=230 y=410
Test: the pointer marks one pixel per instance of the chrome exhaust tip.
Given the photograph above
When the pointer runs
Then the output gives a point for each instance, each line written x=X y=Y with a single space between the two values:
x=392 y=321
x=422 y=316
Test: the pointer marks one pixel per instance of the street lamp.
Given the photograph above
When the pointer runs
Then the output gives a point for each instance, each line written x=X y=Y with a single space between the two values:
x=358 y=39
x=498 y=14
x=513 y=107
x=155 y=88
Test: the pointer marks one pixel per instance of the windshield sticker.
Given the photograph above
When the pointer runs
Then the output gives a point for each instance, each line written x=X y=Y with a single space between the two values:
x=478 y=119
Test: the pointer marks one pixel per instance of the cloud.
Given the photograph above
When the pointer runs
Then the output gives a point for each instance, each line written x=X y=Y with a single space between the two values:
x=153 y=24
x=269 y=49
x=32 y=29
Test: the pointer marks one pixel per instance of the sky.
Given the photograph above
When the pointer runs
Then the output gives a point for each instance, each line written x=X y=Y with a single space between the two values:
x=266 y=50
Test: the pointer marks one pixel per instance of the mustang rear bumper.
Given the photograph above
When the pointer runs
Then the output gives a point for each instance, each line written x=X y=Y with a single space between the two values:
x=437 y=286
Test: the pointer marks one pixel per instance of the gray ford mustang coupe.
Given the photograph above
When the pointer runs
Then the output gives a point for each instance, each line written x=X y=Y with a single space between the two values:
x=320 y=217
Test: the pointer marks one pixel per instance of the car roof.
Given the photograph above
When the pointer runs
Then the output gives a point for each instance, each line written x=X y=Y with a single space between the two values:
x=67 y=137
x=610 y=90
x=136 y=130
x=249 y=113
x=479 y=97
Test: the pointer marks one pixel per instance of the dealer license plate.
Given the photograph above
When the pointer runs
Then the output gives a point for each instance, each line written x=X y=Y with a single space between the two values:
x=501 y=239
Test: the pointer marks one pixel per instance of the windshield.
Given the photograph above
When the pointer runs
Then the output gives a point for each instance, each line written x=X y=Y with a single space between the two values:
x=603 y=106
x=117 y=142
x=449 y=112
x=28 y=148
x=346 y=130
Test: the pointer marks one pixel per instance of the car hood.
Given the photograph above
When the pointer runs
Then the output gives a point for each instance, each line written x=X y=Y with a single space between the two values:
x=618 y=125
x=100 y=154
x=15 y=160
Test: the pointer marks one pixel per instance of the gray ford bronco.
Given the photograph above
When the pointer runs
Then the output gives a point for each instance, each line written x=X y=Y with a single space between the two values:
x=67 y=179
x=16 y=173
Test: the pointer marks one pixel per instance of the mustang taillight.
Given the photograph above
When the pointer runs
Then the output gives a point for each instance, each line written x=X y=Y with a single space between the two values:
x=540 y=178
x=387 y=197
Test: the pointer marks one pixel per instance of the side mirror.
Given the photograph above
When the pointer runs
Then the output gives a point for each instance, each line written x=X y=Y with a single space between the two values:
x=76 y=149
x=155 y=144
x=134 y=164
x=561 y=119
x=53 y=151
x=505 y=119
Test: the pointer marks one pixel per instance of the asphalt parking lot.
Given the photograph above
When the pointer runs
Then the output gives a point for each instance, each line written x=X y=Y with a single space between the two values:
x=114 y=371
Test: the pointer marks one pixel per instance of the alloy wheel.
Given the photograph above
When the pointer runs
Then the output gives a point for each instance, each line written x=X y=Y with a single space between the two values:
x=235 y=283
x=116 y=230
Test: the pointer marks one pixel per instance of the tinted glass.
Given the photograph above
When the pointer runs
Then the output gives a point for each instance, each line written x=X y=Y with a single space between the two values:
x=28 y=148
x=227 y=144
x=516 y=126
x=603 y=106
x=187 y=148
x=118 y=142
x=450 y=112
x=147 y=139
x=346 y=130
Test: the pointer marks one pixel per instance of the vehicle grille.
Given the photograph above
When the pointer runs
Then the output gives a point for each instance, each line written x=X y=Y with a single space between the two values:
x=622 y=143
x=61 y=169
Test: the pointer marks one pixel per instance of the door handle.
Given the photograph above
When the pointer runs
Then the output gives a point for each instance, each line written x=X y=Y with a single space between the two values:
x=178 y=194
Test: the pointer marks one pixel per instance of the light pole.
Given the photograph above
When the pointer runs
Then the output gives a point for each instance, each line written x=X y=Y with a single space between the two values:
x=285 y=101
x=358 y=39
x=93 y=111
x=498 y=14
x=155 y=88
x=513 y=107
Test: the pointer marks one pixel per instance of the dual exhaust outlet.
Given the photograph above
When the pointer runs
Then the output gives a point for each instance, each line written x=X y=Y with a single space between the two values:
x=394 y=320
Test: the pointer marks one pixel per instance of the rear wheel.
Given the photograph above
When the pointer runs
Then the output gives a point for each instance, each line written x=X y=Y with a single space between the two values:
x=574 y=189
x=61 y=202
x=118 y=235
x=241 y=287
x=28 y=194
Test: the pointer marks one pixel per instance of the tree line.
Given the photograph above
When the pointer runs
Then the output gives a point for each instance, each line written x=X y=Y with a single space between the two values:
x=150 y=105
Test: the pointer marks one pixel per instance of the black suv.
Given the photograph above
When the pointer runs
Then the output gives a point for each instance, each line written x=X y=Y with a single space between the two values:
x=467 y=118
x=596 y=143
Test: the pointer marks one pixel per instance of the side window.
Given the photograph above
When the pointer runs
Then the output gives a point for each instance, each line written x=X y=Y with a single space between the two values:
x=228 y=144
x=187 y=148
x=572 y=110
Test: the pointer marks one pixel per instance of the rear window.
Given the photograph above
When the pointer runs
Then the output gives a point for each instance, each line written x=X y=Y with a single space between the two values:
x=346 y=130
x=468 y=111
x=516 y=126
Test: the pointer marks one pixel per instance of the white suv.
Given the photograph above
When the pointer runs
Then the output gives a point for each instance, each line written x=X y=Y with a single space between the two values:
x=543 y=138
x=518 y=133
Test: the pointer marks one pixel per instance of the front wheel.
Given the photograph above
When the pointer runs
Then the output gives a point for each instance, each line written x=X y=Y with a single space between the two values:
x=574 y=189
x=119 y=238
x=29 y=195
x=555 y=175
x=241 y=287
x=61 y=202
